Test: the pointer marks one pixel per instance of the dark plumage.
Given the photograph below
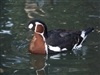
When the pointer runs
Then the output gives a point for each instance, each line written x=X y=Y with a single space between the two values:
x=63 y=38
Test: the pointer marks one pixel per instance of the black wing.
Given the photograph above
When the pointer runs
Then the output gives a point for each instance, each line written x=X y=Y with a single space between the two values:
x=63 y=38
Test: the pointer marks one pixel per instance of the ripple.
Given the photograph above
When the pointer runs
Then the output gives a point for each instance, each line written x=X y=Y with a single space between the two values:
x=5 y=32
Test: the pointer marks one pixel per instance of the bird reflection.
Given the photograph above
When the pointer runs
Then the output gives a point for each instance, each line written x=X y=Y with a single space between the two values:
x=43 y=66
x=39 y=63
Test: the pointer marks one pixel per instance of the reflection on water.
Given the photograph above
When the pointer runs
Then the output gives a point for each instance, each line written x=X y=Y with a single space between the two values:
x=14 y=39
x=60 y=64
x=39 y=63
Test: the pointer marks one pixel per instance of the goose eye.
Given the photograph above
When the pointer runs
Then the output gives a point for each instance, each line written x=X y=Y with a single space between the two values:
x=30 y=26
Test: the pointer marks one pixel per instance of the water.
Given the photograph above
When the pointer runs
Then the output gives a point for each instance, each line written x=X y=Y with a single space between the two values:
x=68 y=14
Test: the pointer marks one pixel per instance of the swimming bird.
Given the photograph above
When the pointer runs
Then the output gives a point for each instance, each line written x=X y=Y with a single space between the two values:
x=56 y=40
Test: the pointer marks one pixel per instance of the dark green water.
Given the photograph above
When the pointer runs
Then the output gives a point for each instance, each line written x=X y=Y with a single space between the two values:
x=68 y=14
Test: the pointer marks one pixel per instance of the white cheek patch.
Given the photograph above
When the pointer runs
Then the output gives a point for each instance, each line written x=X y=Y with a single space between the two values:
x=30 y=26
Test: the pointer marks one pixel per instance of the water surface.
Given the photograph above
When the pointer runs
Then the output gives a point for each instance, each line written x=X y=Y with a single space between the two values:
x=68 y=14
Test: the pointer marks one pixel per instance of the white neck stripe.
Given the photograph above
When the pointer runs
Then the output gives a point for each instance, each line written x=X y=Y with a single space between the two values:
x=37 y=23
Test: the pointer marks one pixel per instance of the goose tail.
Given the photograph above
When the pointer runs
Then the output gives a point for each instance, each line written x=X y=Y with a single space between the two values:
x=88 y=30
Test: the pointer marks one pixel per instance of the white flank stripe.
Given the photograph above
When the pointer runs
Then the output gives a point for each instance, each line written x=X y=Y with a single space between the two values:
x=64 y=49
x=83 y=34
x=56 y=49
x=83 y=39
x=75 y=46
x=80 y=45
